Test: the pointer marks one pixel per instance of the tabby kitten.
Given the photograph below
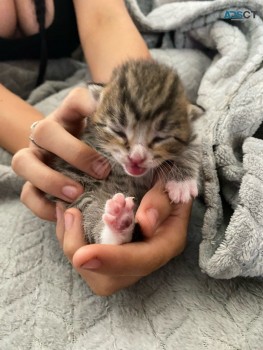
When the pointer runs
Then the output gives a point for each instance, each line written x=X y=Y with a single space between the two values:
x=143 y=126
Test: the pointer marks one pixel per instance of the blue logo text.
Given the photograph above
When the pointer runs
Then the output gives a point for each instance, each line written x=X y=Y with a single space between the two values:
x=239 y=15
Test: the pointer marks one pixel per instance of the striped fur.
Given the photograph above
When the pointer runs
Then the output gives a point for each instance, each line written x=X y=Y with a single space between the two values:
x=143 y=104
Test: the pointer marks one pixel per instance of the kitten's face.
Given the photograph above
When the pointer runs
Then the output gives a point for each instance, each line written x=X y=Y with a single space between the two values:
x=142 y=118
x=141 y=146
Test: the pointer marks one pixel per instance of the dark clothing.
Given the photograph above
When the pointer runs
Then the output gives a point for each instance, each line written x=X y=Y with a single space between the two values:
x=61 y=37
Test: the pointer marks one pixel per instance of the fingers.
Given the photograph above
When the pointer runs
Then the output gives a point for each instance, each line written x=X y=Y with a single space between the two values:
x=70 y=236
x=42 y=177
x=154 y=208
x=60 y=227
x=51 y=136
x=75 y=108
x=136 y=259
x=69 y=230
x=104 y=285
x=108 y=268
x=114 y=260
x=37 y=203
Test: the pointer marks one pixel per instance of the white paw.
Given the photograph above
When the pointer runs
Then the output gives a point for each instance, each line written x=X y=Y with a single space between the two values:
x=182 y=191
x=118 y=218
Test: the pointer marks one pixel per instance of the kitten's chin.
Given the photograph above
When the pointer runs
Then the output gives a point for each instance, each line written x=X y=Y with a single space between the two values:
x=134 y=170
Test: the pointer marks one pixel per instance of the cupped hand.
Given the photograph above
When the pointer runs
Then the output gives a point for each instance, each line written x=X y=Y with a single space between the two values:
x=109 y=268
x=57 y=134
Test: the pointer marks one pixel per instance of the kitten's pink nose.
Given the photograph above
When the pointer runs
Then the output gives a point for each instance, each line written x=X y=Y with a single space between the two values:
x=137 y=155
x=136 y=160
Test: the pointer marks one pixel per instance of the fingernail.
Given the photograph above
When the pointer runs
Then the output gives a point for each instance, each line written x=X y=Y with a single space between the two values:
x=152 y=216
x=70 y=192
x=69 y=218
x=91 y=265
x=101 y=168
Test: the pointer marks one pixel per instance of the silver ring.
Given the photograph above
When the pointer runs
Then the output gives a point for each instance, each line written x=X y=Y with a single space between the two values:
x=34 y=142
x=32 y=127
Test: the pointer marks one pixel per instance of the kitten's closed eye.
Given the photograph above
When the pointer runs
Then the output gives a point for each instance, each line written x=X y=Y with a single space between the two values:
x=101 y=125
x=167 y=138
x=120 y=133
x=113 y=130
x=158 y=139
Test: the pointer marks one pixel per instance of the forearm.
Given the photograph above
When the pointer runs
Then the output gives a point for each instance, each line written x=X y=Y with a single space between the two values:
x=16 y=116
x=108 y=36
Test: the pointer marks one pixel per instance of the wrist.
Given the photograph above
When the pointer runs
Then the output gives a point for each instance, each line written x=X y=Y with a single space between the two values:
x=16 y=117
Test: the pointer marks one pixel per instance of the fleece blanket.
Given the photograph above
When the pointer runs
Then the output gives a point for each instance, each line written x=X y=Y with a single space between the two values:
x=210 y=297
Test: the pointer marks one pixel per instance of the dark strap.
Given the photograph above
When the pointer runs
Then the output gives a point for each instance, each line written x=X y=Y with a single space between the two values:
x=40 y=8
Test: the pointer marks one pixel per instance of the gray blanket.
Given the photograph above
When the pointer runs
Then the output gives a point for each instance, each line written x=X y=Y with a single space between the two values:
x=43 y=302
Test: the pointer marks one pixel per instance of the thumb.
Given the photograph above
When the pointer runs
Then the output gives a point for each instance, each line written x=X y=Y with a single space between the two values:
x=77 y=105
x=154 y=208
x=73 y=232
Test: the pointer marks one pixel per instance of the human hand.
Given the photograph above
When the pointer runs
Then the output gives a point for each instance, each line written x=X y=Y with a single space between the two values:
x=109 y=268
x=57 y=134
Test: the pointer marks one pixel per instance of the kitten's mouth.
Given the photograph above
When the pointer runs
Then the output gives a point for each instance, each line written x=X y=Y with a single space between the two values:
x=135 y=170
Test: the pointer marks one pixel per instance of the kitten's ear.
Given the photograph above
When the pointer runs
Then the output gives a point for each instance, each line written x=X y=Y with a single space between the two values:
x=96 y=90
x=194 y=112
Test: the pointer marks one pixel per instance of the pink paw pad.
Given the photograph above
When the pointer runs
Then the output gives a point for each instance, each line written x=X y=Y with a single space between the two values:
x=118 y=215
x=182 y=191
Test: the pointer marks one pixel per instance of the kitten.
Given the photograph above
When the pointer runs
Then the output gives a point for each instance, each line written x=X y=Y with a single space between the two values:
x=143 y=126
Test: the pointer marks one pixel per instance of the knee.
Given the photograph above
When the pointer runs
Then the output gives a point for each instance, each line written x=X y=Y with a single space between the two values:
x=8 y=19
x=26 y=16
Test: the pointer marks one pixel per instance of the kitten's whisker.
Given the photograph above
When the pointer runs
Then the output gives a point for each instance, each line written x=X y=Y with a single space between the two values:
x=168 y=170
x=152 y=172
x=162 y=174
x=113 y=165
x=94 y=157
x=172 y=170
x=104 y=160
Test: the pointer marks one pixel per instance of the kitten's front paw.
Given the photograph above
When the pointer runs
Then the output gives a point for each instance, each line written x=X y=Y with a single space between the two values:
x=182 y=191
x=118 y=219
